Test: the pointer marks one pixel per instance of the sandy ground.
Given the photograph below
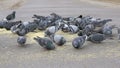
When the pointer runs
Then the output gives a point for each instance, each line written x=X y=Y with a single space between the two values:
x=11 y=4
x=104 y=55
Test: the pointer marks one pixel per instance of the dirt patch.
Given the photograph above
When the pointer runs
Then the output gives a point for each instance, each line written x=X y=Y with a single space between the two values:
x=10 y=4
x=16 y=5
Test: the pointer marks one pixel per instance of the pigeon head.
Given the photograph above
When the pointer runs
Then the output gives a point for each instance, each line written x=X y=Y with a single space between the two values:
x=37 y=38
x=21 y=40
x=53 y=14
x=81 y=16
x=80 y=33
x=14 y=12
x=34 y=15
x=85 y=37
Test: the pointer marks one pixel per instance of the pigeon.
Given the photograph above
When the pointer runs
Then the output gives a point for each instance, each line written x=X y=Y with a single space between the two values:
x=88 y=30
x=53 y=29
x=100 y=23
x=73 y=29
x=41 y=24
x=19 y=29
x=80 y=16
x=55 y=16
x=107 y=30
x=78 y=42
x=21 y=40
x=65 y=28
x=45 y=42
x=96 y=38
x=24 y=28
x=21 y=32
x=39 y=17
x=2 y=23
x=11 y=16
x=83 y=22
x=30 y=26
x=8 y=25
x=58 y=39
x=80 y=33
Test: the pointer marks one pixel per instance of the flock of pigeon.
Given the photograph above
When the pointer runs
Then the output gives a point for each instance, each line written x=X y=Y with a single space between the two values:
x=86 y=27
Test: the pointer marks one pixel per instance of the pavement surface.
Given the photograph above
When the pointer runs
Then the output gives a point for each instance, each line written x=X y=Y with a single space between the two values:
x=104 y=55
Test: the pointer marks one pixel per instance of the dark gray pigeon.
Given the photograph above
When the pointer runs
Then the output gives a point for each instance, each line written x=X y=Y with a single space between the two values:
x=58 y=39
x=55 y=16
x=80 y=16
x=21 y=40
x=45 y=43
x=38 y=17
x=79 y=41
x=11 y=16
x=41 y=24
x=8 y=25
x=96 y=38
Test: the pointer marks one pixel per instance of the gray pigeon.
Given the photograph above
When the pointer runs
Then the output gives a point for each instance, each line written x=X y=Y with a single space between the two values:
x=15 y=28
x=65 y=28
x=21 y=32
x=41 y=24
x=58 y=39
x=11 y=16
x=88 y=30
x=53 y=29
x=100 y=23
x=21 y=40
x=31 y=26
x=55 y=16
x=107 y=30
x=96 y=38
x=45 y=43
x=79 y=41
x=73 y=29
x=2 y=23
